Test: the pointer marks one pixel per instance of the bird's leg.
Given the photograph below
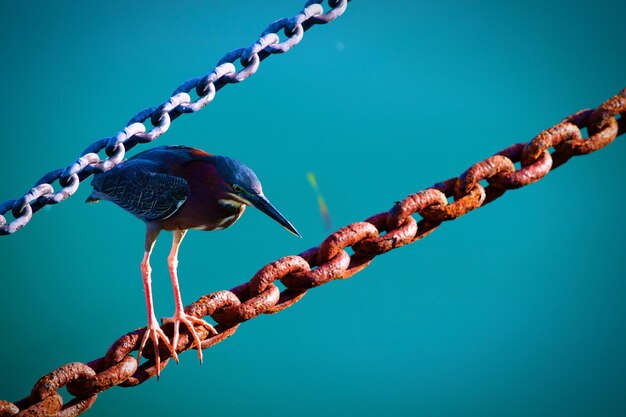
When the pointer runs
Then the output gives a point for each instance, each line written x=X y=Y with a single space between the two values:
x=179 y=315
x=153 y=331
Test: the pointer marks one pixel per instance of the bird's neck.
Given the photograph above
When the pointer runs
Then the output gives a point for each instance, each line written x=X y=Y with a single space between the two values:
x=206 y=208
x=228 y=203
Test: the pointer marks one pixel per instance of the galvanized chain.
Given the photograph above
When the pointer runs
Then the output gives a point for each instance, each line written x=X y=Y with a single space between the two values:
x=330 y=260
x=180 y=102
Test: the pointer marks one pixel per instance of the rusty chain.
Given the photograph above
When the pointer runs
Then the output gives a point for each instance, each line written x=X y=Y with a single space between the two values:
x=160 y=117
x=330 y=260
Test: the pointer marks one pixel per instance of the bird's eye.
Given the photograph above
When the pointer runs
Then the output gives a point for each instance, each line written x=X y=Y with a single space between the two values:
x=237 y=188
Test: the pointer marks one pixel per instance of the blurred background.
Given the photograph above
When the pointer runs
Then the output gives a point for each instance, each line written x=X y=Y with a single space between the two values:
x=515 y=309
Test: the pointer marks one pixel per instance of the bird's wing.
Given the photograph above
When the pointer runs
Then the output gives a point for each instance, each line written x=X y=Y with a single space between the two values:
x=138 y=187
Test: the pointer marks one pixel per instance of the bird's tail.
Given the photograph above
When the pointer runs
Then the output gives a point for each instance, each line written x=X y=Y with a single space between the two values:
x=92 y=199
x=95 y=196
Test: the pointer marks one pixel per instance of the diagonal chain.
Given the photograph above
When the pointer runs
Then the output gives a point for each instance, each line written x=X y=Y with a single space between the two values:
x=180 y=102
x=514 y=167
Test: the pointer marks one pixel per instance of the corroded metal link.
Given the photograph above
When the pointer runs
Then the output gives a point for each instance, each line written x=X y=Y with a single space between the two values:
x=276 y=270
x=606 y=112
x=145 y=371
x=344 y=237
x=223 y=333
x=424 y=228
x=528 y=174
x=335 y=244
x=251 y=305
x=551 y=138
x=76 y=406
x=601 y=123
x=49 y=406
x=358 y=262
x=414 y=203
x=105 y=377
x=8 y=409
x=332 y=269
x=122 y=347
x=208 y=304
x=399 y=236
x=596 y=141
x=490 y=167
x=460 y=206
x=288 y=297
x=48 y=384
x=44 y=399
x=161 y=116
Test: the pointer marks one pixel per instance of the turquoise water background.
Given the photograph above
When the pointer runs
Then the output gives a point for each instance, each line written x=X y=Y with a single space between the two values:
x=517 y=309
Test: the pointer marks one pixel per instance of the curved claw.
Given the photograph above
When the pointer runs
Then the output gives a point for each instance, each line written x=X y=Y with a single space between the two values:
x=154 y=333
x=189 y=321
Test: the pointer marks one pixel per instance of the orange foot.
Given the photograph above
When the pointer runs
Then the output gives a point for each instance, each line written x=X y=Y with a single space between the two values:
x=188 y=321
x=154 y=333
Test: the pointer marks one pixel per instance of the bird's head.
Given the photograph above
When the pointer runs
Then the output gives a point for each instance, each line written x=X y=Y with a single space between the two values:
x=240 y=186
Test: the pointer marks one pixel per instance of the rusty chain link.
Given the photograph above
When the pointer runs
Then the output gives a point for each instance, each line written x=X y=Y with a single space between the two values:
x=160 y=117
x=331 y=260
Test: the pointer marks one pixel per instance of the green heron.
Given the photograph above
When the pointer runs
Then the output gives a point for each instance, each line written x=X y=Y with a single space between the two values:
x=179 y=188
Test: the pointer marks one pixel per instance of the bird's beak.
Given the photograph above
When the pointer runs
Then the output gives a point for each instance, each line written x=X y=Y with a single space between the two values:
x=260 y=202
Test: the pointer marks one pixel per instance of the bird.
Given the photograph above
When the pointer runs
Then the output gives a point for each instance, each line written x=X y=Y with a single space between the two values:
x=177 y=188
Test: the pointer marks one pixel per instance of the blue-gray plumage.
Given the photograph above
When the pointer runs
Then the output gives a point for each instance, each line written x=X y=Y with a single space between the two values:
x=179 y=188
x=138 y=187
